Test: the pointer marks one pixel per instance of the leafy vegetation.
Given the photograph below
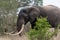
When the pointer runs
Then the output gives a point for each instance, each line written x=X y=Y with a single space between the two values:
x=43 y=32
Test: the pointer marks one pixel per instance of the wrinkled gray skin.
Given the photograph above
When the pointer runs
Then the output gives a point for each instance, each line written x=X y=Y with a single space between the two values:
x=30 y=14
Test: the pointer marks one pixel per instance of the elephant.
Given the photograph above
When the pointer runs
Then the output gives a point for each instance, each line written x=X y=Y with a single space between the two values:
x=31 y=14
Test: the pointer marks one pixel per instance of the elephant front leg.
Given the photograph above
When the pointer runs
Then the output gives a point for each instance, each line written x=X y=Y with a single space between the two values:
x=34 y=24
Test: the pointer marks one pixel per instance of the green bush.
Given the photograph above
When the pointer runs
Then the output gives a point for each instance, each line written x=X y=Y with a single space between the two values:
x=43 y=30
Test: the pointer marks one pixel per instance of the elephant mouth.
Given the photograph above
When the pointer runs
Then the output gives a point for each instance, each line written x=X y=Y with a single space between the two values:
x=11 y=33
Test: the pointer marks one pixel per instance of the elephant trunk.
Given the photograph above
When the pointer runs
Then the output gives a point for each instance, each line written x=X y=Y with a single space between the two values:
x=20 y=22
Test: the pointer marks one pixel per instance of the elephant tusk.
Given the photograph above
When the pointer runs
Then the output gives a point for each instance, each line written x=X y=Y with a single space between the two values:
x=16 y=33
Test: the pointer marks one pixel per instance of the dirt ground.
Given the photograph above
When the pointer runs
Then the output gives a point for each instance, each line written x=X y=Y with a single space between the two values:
x=8 y=37
x=24 y=37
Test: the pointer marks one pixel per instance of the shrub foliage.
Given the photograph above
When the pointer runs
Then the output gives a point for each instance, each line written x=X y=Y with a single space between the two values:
x=42 y=32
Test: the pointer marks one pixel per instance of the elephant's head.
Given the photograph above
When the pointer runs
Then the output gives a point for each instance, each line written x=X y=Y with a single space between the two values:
x=27 y=15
